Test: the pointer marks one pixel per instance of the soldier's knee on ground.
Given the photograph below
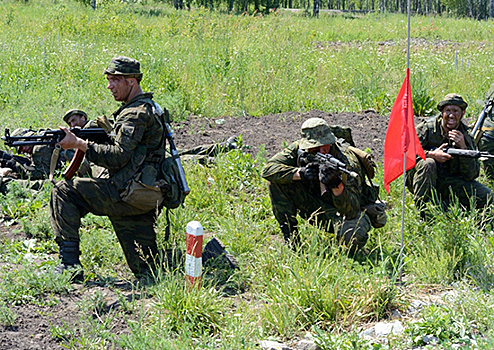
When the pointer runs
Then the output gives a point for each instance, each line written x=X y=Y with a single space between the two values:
x=354 y=232
x=427 y=167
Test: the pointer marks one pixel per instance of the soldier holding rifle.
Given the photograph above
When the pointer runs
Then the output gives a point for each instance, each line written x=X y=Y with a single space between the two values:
x=442 y=173
x=318 y=193
x=131 y=196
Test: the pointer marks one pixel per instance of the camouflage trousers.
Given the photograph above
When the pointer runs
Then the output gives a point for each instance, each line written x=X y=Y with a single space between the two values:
x=34 y=185
x=486 y=144
x=288 y=200
x=425 y=184
x=135 y=228
x=202 y=154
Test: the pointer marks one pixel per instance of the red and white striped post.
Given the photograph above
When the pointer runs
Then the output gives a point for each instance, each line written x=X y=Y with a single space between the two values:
x=193 y=258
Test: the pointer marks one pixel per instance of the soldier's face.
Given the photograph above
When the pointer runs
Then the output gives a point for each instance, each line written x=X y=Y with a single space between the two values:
x=76 y=120
x=451 y=115
x=119 y=87
x=322 y=149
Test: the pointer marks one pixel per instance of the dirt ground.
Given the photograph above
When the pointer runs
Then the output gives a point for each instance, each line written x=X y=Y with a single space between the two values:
x=33 y=325
x=272 y=131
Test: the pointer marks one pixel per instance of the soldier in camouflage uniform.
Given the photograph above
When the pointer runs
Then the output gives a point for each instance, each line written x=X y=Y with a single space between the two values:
x=317 y=193
x=486 y=144
x=440 y=172
x=76 y=118
x=31 y=173
x=138 y=135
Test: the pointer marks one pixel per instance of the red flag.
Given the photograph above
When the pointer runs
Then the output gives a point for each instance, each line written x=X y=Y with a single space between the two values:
x=401 y=136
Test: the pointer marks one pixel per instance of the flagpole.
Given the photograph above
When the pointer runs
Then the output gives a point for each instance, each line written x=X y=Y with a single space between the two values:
x=400 y=266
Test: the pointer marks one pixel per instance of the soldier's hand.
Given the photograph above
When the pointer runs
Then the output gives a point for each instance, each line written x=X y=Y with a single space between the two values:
x=458 y=139
x=329 y=177
x=439 y=155
x=72 y=141
x=309 y=173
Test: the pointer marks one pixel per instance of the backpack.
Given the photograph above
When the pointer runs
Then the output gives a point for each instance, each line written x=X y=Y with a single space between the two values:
x=173 y=194
x=172 y=181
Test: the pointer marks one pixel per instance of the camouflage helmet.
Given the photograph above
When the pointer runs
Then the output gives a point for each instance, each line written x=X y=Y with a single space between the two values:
x=120 y=65
x=452 y=99
x=316 y=133
x=71 y=112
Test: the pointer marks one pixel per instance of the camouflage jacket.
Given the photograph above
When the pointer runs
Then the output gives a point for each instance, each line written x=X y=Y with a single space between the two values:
x=280 y=169
x=136 y=133
x=431 y=136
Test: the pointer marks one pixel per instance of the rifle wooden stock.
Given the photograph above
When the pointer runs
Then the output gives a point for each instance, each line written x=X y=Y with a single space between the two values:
x=74 y=165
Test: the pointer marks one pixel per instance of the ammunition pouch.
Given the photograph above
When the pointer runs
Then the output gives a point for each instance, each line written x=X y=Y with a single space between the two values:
x=144 y=191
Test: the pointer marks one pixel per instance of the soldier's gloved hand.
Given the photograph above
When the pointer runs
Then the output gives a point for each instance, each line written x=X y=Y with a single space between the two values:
x=309 y=173
x=329 y=177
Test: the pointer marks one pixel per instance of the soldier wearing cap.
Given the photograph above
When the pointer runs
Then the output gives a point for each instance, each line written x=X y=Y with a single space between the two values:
x=318 y=194
x=131 y=196
x=440 y=172
x=75 y=118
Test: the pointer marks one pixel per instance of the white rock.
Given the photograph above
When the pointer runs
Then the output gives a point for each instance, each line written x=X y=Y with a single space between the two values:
x=306 y=344
x=383 y=329
x=272 y=345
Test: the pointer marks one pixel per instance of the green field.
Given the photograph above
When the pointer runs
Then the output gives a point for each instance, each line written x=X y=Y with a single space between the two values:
x=52 y=55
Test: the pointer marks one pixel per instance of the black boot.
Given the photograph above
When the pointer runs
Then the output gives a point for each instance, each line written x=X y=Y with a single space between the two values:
x=69 y=253
x=215 y=251
x=290 y=235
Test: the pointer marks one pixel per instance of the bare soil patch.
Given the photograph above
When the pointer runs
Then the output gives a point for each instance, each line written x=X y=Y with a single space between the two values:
x=274 y=131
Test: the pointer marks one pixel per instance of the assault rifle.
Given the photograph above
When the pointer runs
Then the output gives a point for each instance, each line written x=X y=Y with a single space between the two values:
x=477 y=129
x=19 y=159
x=468 y=153
x=53 y=137
x=305 y=158
x=173 y=151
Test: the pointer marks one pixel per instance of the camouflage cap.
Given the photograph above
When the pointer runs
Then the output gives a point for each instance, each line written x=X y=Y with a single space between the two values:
x=71 y=112
x=316 y=133
x=452 y=99
x=121 y=65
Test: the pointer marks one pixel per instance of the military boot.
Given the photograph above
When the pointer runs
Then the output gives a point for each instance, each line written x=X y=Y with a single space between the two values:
x=69 y=253
x=215 y=251
x=290 y=235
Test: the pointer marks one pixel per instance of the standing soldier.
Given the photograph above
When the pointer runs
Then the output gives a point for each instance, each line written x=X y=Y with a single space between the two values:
x=318 y=193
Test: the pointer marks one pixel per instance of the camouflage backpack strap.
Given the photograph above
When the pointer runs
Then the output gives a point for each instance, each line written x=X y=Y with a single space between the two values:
x=366 y=160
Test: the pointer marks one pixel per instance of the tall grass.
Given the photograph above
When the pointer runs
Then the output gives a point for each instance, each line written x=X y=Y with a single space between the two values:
x=53 y=53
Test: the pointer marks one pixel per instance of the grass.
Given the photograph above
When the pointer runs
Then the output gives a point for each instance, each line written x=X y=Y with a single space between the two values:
x=212 y=64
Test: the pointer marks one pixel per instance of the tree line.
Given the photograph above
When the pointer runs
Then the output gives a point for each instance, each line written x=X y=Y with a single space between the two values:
x=478 y=9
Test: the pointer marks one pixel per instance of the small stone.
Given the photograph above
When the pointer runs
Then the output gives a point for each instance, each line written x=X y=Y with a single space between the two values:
x=384 y=329
x=396 y=314
x=306 y=344
x=429 y=338
x=272 y=345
